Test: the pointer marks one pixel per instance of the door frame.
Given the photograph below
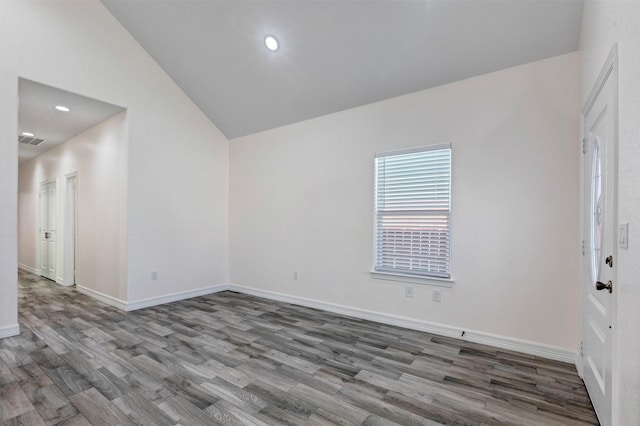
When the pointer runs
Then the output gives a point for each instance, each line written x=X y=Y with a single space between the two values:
x=70 y=228
x=609 y=70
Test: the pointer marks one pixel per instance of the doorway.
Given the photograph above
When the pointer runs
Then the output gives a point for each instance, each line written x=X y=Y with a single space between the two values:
x=599 y=265
x=64 y=135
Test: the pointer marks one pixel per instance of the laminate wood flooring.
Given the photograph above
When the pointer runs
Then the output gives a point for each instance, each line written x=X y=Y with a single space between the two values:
x=233 y=359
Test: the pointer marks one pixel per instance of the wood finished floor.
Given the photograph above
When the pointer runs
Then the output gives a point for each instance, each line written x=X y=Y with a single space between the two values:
x=234 y=359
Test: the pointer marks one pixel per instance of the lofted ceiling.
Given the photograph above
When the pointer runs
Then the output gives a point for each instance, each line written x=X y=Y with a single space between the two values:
x=37 y=115
x=336 y=55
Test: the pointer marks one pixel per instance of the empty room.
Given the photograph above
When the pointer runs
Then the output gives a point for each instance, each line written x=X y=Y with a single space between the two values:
x=319 y=212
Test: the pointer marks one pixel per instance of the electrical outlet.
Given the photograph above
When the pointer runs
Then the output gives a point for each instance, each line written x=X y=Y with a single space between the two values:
x=436 y=295
x=408 y=291
x=154 y=275
x=295 y=275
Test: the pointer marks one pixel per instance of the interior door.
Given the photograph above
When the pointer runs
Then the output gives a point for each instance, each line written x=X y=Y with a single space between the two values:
x=600 y=255
x=48 y=230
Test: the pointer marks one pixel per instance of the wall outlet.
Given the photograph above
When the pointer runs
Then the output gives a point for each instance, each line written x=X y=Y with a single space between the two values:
x=436 y=295
x=408 y=291
x=295 y=275
x=154 y=275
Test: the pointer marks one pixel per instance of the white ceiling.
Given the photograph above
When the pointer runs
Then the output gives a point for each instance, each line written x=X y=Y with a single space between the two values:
x=336 y=55
x=37 y=115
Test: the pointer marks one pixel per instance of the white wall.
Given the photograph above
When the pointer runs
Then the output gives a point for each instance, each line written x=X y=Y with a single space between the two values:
x=301 y=198
x=177 y=160
x=605 y=23
x=96 y=155
x=8 y=208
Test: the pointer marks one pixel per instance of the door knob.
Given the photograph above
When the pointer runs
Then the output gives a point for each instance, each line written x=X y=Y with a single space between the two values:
x=602 y=286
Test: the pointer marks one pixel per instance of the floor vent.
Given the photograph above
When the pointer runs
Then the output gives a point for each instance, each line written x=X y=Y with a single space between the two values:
x=27 y=140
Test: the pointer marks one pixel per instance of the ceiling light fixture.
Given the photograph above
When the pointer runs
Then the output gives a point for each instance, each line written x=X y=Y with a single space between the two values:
x=28 y=134
x=271 y=42
x=62 y=108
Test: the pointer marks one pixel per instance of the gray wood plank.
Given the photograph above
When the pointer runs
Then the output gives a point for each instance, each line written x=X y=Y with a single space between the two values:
x=52 y=404
x=98 y=409
x=141 y=411
x=30 y=418
x=13 y=401
x=235 y=359
x=182 y=411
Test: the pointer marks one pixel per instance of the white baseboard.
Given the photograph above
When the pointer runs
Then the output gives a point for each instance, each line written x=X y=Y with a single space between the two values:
x=174 y=297
x=503 y=342
x=104 y=298
x=151 y=301
x=29 y=268
x=9 y=330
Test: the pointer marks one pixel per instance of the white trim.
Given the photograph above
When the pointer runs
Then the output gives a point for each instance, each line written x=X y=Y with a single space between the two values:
x=151 y=301
x=610 y=65
x=28 y=268
x=9 y=331
x=413 y=279
x=104 y=298
x=423 y=148
x=504 y=342
x=174 y=297
x=70 y=227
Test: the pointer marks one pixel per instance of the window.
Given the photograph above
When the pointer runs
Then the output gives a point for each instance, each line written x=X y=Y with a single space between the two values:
x=596 y=212
x=413 y=212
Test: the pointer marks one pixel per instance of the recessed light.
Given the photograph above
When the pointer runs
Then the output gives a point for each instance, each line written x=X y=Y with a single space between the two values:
x=62 y=108
x=28 y=134
x=271 y=43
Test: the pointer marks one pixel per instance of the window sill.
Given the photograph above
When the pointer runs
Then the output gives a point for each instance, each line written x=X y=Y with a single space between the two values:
x=435 y=281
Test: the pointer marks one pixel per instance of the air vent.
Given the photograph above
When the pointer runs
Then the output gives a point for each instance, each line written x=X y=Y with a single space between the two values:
x=27 y=140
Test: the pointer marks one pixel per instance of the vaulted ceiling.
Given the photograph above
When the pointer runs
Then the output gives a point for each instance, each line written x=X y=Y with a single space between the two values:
x=335 y=55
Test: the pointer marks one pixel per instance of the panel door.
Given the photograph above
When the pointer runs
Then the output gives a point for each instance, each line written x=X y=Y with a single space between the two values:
x=48 y=230
x=599 y=266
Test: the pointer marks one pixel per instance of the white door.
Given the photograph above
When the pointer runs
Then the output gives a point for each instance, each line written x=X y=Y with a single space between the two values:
x=48 y=230
x=600 y=255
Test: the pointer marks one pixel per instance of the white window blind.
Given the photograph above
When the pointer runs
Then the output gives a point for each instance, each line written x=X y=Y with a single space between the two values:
x=413 y=211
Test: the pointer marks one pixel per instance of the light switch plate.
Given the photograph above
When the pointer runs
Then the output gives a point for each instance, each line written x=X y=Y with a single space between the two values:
x=623 y=235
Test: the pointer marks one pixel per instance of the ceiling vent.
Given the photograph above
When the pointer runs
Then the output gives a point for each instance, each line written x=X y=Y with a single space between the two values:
x=27 y=140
